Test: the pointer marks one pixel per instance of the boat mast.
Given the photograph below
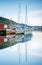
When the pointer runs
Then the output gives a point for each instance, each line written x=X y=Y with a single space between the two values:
x=25 y=30
x=18 y=48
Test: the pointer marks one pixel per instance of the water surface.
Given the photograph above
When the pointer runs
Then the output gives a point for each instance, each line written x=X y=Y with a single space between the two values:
x=28 y=53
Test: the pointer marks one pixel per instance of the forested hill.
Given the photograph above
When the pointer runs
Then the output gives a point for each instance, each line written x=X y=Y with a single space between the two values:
x=5 y=21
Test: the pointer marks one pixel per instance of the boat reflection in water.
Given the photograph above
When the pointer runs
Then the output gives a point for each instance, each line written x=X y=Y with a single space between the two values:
x=11 y=40
x=12 y=33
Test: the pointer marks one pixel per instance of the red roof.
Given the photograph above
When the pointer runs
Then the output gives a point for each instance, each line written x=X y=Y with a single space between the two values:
x=1 y=25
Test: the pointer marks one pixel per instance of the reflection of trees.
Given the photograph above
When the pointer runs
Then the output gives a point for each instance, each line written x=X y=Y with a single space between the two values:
x=4 y=45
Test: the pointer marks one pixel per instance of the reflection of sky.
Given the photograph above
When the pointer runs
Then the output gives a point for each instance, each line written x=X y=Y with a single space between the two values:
x=10 y=9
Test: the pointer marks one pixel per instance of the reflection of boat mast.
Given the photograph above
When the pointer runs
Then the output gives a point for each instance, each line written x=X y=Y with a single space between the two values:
x=25 y=31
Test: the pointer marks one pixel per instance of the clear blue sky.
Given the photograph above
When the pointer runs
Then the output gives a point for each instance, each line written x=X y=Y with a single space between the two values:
x=10 y=9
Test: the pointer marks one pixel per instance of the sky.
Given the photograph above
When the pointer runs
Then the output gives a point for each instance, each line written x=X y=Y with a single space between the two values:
x=10 y=9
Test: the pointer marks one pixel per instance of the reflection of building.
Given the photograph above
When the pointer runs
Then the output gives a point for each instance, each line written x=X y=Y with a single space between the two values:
x=14 y=39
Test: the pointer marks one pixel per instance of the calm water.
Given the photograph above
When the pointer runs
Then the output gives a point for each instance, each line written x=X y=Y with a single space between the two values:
x=20 y=54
